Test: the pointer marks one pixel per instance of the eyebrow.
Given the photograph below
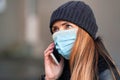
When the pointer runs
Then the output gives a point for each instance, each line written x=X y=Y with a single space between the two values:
x=62 y=24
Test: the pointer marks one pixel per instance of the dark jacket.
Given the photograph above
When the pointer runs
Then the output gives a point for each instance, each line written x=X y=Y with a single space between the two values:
x=104 y=72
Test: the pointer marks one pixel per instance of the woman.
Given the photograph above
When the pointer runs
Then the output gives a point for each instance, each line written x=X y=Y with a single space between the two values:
x=83 y=55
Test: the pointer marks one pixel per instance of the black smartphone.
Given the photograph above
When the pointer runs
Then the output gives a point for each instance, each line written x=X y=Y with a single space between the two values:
x=55 y=56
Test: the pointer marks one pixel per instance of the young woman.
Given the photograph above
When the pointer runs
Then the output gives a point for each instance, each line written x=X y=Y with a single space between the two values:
x=83 y=55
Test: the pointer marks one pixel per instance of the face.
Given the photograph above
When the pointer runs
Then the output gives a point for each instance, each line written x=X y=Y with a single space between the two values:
x=63 y=25
x=64 y=36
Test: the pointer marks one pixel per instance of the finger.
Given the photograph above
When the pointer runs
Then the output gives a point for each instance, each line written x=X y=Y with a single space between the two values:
x=47 y=58
x=49 y=49
x=47 y=54
x=51 y=46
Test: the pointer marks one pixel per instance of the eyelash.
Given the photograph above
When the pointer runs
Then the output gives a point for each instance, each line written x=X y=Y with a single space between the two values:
x=55 y=29
x=67 y=26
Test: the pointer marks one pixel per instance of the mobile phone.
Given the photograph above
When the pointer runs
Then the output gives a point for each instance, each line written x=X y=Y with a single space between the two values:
x=55 y=56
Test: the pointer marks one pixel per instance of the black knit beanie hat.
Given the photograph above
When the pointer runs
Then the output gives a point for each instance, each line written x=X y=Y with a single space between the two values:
x=76 y=12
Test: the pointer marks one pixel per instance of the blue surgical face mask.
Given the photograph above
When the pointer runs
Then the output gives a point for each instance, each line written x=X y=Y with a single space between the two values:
x=64 y=41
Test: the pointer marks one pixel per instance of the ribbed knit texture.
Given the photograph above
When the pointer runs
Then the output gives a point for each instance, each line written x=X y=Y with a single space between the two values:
x=78 y=13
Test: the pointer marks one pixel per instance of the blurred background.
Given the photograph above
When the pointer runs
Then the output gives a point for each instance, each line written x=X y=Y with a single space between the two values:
x=24 y=34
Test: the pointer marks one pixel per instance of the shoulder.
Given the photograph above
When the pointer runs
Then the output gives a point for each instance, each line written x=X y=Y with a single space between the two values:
x=105 y=75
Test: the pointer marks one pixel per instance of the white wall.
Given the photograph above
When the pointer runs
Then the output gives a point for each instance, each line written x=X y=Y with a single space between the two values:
x=11 y=24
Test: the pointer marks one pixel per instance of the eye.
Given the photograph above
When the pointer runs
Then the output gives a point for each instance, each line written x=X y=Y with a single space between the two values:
x=55 y=29
x=68 y=26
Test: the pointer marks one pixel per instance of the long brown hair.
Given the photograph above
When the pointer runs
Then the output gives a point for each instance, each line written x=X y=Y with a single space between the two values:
x=84 y=57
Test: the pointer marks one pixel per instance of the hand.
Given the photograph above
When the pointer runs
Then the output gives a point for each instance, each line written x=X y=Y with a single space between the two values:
x=52 y=70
